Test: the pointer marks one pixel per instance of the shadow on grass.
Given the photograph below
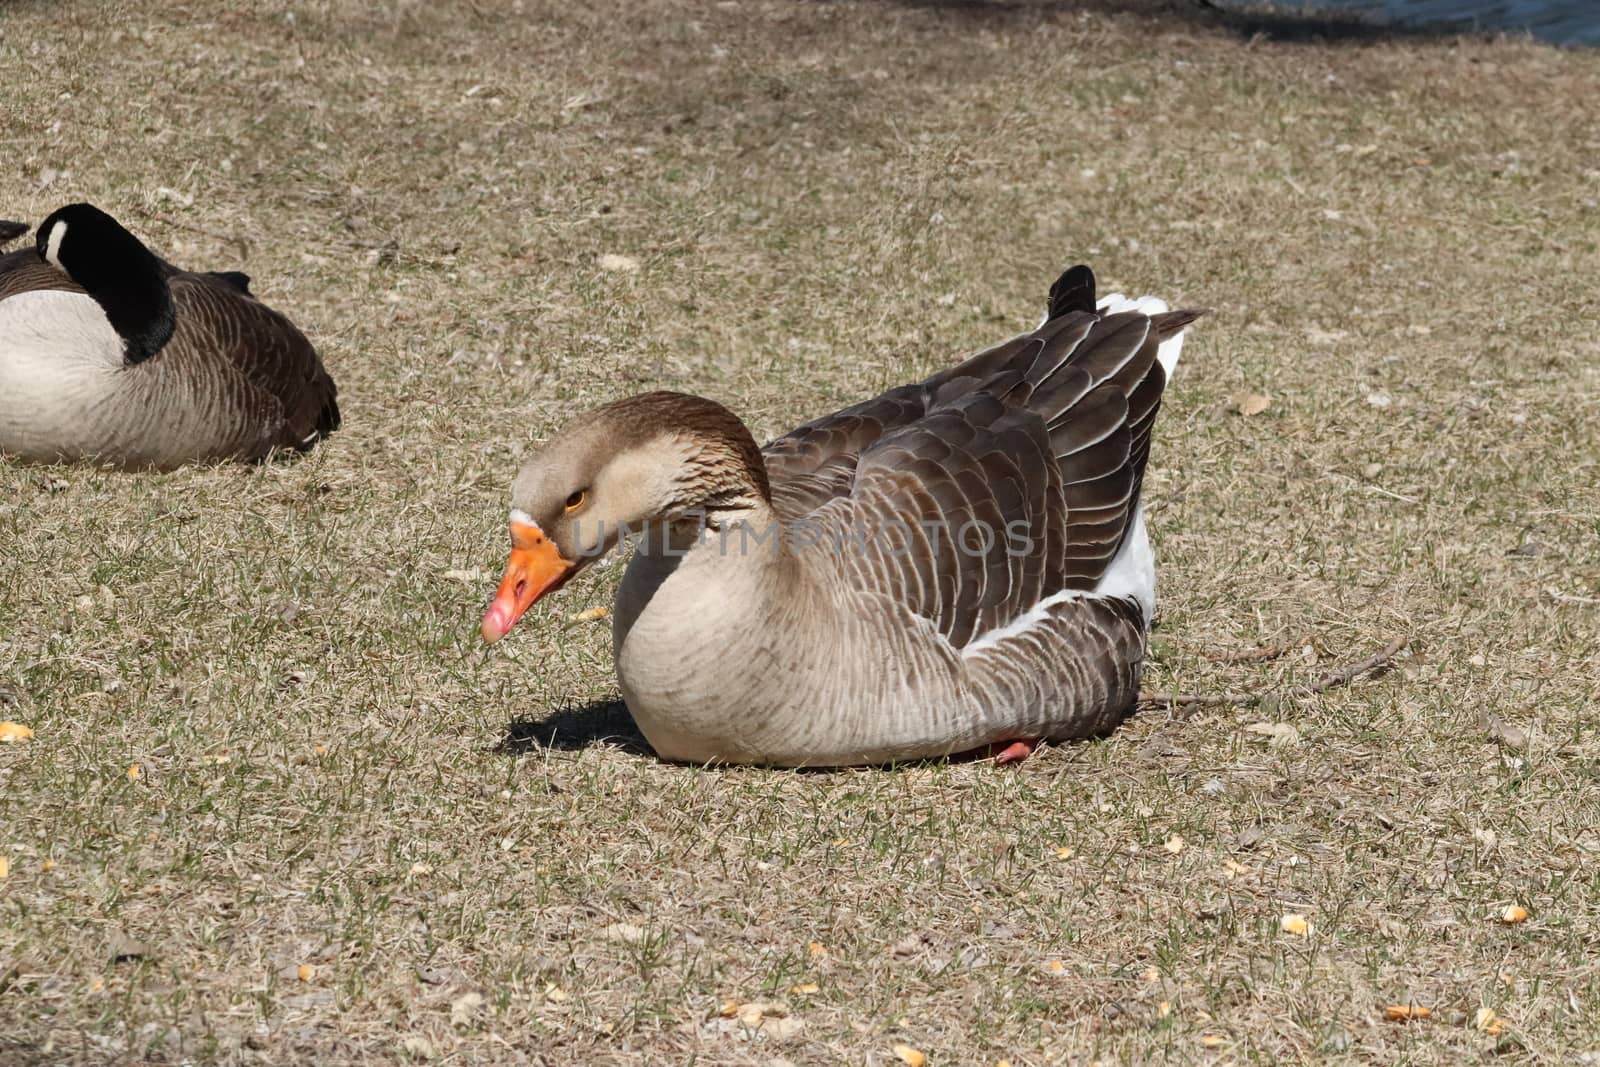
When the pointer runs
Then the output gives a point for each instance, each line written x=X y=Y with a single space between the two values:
x=608 y=722
x=1250 y=19
x=600 y=722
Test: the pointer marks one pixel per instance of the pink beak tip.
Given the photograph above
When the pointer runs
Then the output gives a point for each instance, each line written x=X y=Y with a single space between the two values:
x=496 y=623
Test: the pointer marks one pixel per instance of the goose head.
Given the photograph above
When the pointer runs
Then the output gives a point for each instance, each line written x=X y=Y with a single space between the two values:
x=630 y=468
x=117 y=271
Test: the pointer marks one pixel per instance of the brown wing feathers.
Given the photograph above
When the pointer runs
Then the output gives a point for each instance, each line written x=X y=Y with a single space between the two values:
x=976 y=480
x=277 y=380
x=1042 y=438
x=816 y=463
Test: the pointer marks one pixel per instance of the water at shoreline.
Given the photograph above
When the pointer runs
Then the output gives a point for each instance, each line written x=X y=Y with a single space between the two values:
x=1571 y=22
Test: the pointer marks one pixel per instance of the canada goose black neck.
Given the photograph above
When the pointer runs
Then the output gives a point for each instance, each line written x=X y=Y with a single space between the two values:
x=116 y=270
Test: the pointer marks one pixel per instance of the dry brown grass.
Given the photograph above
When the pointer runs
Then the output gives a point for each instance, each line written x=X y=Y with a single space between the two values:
x=826 y=199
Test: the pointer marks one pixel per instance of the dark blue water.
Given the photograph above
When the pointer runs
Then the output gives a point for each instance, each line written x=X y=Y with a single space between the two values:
x=1558 y=21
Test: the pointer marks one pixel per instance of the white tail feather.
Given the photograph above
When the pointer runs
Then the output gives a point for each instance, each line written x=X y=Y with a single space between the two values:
x=1169 y=350
x=1131 y=575
x=1132 y=572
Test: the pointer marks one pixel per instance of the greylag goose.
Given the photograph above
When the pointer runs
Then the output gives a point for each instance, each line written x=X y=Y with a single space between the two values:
x=956 y=565
x=109 y=353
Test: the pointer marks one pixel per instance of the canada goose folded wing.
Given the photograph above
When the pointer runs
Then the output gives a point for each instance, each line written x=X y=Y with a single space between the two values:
x=265 y=367
x=23 y=271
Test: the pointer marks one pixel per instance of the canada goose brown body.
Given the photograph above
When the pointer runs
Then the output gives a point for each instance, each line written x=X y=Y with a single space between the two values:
x=956 y=563
x=204 y=372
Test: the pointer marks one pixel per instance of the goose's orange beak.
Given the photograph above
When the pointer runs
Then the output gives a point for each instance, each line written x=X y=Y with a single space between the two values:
x=536 y=567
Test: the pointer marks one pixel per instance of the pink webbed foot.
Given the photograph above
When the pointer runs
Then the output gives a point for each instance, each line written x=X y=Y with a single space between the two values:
x=1015 y=752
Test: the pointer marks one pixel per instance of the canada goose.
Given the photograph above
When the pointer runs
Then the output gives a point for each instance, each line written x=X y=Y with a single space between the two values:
x=109 y=353
x=954 y=564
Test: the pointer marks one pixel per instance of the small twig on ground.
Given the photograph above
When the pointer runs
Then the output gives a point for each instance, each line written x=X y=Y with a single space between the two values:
x=1346 y=675
x=1252 y=655
x=1332 y=680
x=1180 y=700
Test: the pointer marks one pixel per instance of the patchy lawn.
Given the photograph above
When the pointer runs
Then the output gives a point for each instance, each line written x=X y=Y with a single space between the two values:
x=281 y=806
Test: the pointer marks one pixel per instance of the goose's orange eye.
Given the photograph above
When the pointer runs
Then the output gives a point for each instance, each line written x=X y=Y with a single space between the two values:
x=575 y=501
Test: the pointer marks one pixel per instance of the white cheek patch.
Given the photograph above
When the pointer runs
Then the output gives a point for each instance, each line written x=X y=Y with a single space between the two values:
x=52 y=245
x=522 y=518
